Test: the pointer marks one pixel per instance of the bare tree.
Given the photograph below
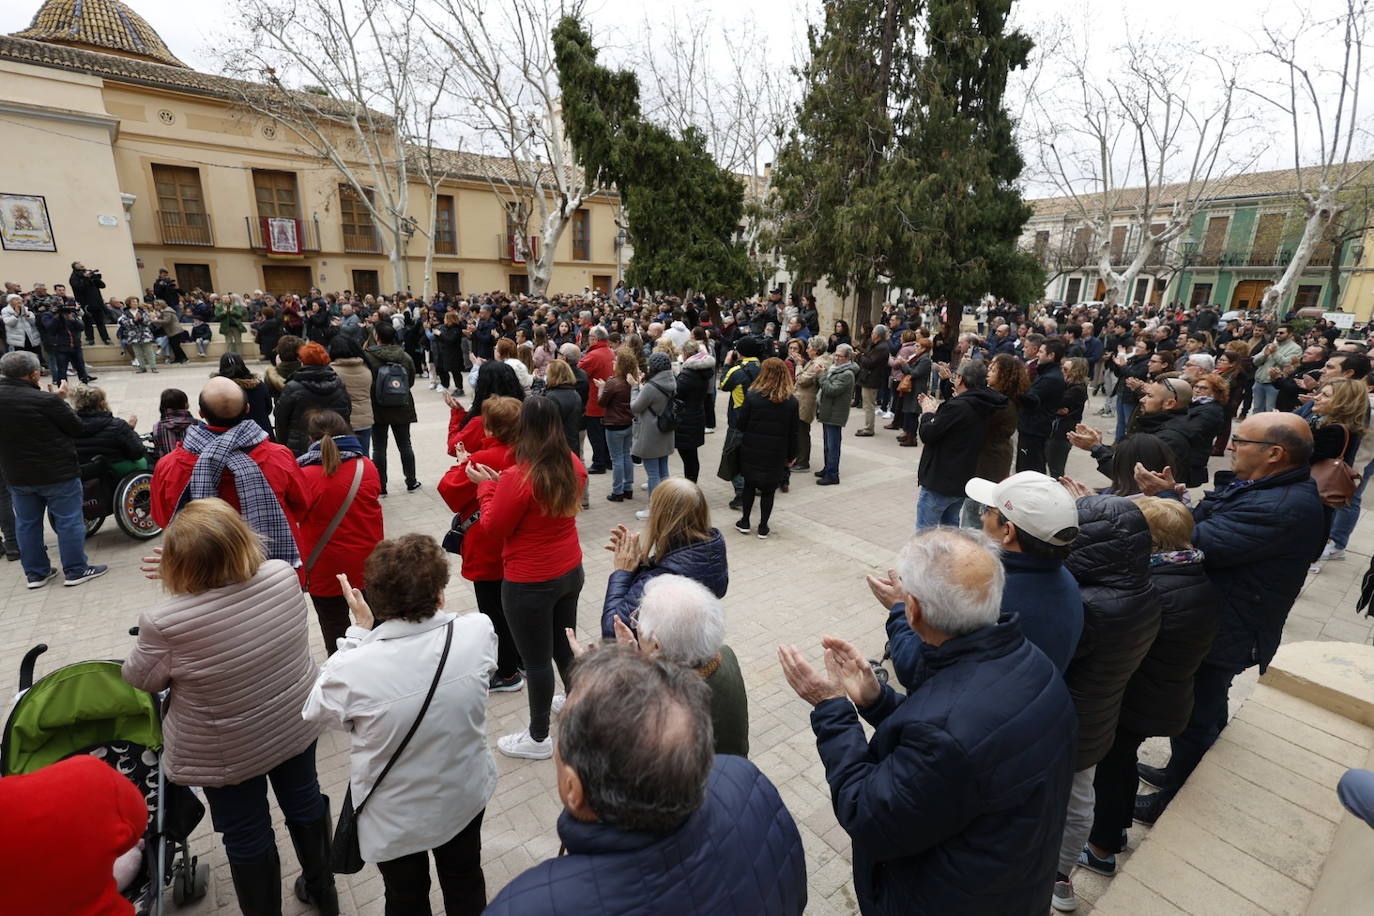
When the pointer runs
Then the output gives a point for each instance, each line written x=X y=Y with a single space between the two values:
x=1321 y=103
x=1149 y=145
x=355 y=59
x=510 y=95
x=429 y=163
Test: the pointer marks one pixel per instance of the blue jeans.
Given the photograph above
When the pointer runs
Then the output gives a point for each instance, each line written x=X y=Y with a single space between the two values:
x=1124 y=412
x=831 y=438
x=935 y=509
x=65 y=359
x=364 y=439
x=1345 y=518
x=1265 y=397
x=63 y=503
x=656 y=469
x=1356 y=792
x=240 y=814
x=622 y=468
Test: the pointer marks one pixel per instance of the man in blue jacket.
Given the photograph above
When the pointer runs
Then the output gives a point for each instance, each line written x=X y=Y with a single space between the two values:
x=652 y=820
x=1259 y=534
x=957 y=803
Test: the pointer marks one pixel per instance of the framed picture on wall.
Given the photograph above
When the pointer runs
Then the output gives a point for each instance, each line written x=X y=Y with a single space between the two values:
x=24 y=224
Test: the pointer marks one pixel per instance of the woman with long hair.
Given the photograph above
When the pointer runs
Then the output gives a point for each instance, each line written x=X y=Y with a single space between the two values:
x=328 y=470
x=1007 y=375
x=481 y=552
x=531 y=508
x=613 y=394
x=767 y=422
x=232 y=642
x=912 y=361
x=694 y=390
x=840 y=335
x=679 y=540
x=1337 y=421
x=494 y=379
x=1069 y=415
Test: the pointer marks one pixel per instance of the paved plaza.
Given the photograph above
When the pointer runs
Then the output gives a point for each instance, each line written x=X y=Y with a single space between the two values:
x=807 y=580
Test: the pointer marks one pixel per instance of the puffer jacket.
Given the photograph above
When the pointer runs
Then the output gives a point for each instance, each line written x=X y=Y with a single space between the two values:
x=1159 y=697
x=353 y=371
x=768 y=431
x=693 y=391
x=136 y=330
x=738 y=853
x=968 y=774
x=953 y=435
x=238 y=661
x=106 y=436
x=46 y=452
x=655 y=394
x=1111 y=561
x=1258 y=539
x=311 y=388
x=1206 y=421
x=703 y=561
x=836 y=390
x=808 y=387
x=21 y=329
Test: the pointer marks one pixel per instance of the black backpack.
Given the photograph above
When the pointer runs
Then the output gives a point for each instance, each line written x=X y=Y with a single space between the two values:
x=667 y=421
x=391 y=387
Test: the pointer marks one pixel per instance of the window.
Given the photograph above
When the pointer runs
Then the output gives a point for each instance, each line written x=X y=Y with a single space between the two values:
x=1202 y=294
x=1082 y=238
x=601 y=282
x=1157 y=255
x=449 y=283
x=1268 y=231
x=181 y=206
x=1308 y=296
x=1214 y=241
x=519 y=283
x=193 y=276
x=276 y=194
x=366 y=281
x=1119 y=244
x=1142 y=285
x=358 y=232
x=581 y=235
x=1075 y=289
x=1042 y=244
x=445 y=231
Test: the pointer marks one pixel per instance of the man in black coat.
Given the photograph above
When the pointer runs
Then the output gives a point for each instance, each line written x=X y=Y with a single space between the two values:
x=952 y=434
x=1258 y=536
x=165 y=288
x=1039 y=406
x=42 y=471
x=86 y=287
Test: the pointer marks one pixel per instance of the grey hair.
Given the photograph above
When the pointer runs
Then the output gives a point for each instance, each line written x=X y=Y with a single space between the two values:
x=684 y=618
x=637 y=731
x=817 y=344
x=570 y=352
x=935 y=566
x=9 y=299
x=18 y=364
x=881 y=331
x=690 y=348
x=844 y=350
x=88 y=397
x=584 y=314
x=973 y=373
x=599 y=333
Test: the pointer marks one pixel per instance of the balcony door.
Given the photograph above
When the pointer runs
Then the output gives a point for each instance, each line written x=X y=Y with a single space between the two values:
x=181 y=205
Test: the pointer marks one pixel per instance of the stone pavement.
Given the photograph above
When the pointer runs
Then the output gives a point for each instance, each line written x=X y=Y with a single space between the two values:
x=806 y=581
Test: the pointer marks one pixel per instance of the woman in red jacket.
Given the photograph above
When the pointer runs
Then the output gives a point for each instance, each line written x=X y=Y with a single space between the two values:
x=328 y=469
x=481 y=552
x=494 y=379
x=532 y=509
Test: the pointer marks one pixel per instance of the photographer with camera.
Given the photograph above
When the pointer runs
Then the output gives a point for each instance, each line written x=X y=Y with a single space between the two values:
x=86 y=287
x=63 y=325
x=166 y=289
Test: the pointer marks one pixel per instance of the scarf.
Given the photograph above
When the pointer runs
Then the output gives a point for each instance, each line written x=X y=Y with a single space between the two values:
x=228 y=451
x=349 y=448
x=1176 y=557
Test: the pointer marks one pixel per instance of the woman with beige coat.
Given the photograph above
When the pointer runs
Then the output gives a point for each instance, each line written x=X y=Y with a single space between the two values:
x=807 y=390
x=347 y=359
x=231 y=642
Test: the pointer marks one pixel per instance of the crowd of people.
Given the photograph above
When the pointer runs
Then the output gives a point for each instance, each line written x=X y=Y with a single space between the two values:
x=1040 y=627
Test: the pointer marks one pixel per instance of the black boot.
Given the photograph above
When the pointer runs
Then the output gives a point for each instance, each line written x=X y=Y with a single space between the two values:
x=313 y=843
x=258 y=885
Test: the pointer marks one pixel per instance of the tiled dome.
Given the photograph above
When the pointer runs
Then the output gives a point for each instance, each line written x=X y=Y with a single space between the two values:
x=101 y=25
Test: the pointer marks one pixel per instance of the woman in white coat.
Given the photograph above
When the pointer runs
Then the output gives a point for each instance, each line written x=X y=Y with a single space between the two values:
x=436 y=792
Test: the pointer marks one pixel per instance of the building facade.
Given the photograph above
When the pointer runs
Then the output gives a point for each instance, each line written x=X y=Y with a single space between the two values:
x=122 y=157
x=1235 y=248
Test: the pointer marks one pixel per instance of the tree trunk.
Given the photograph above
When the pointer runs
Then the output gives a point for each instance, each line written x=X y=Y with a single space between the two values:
x=1320 y=213
x=1334 y=274
x=428 y=285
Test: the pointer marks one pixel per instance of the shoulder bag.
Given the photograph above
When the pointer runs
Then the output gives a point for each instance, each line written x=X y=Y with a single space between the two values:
x=334 y=522
x=1336 y=481
x=347 y=858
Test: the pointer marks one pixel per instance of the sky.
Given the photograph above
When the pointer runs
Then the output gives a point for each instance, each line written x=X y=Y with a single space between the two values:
x=1228 y=27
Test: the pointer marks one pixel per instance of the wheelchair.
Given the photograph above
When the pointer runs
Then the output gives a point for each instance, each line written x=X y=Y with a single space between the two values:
x=122 y=489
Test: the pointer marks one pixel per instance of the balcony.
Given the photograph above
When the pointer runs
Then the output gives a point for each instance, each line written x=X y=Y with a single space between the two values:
x=445 y=246
x=176 y=227
x=506 y=249
x=362 y=242
x=308 y=231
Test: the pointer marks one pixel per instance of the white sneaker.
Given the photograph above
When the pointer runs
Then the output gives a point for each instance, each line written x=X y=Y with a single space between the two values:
x=710 y=429
x=644 y=485
x=522 y=745
x=1332 y=552
x=557 y=705
x=434 y=386
x=642 y=515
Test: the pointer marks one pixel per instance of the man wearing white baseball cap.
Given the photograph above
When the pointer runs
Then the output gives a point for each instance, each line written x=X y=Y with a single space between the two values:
x=1034 y=520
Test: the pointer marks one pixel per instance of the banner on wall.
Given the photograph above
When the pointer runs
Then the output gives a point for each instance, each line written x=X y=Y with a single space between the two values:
x=282 y=235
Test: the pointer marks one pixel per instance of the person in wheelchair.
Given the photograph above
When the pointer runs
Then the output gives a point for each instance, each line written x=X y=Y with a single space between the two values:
x=103 y=435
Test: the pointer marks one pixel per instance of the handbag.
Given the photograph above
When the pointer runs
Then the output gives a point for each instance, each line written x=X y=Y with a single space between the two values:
x=1336 y=481
x=729 y=459
x=453 y=538
x=904 y=386
x=334 y=522
x=345 y=855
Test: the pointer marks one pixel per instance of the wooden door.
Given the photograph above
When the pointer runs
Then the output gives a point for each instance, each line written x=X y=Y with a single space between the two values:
x=279 y=280
x=1248 y=294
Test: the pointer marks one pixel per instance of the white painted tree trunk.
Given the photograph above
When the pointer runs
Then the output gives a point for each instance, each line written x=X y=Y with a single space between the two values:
x=1321 y=210
x=428 y=283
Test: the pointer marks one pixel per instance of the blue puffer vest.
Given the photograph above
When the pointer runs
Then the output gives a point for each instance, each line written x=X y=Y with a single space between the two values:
x=703 y=561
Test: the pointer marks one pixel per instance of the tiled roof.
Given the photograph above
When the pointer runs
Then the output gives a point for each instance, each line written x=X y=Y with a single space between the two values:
x=1251 y=184
x=107 y=25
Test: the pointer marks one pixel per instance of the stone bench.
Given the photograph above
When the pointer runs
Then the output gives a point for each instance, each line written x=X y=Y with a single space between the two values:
x=1258 y=828
x=109 y=355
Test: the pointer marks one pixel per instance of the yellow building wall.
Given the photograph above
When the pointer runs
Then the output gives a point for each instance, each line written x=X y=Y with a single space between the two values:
x=59 y=144
x=1358 y=296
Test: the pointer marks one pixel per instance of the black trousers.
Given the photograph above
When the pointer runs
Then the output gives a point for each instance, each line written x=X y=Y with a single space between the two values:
x=1211 y=709
x=538 y=613
x=459 y=866
x=1030 y=453
x=402 y=433
x=596 y=435
x=1114 y=785
x=95 y=321
x=765 y=495
x=488 y=594
x=691 y=464
x=332 y=613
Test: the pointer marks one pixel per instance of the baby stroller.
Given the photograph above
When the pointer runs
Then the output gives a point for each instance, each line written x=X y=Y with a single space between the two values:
x=87 y=708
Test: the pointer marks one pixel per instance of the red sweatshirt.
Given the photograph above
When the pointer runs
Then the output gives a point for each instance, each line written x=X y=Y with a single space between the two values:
x=473 y=435
x=357 y=535
x=536 y=547
x=481 y=551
